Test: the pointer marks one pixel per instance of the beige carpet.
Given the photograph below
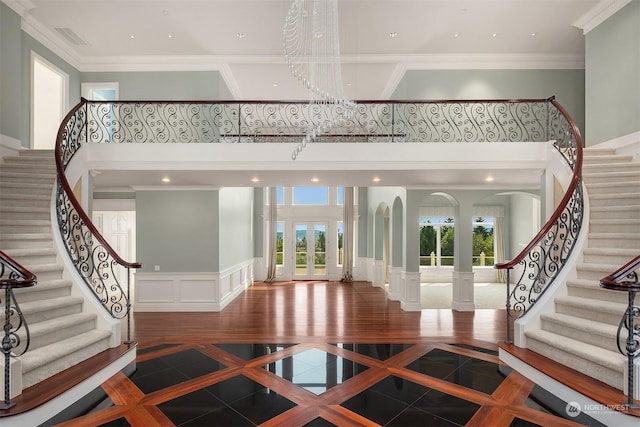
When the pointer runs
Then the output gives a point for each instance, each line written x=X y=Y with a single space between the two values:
x=487 y=295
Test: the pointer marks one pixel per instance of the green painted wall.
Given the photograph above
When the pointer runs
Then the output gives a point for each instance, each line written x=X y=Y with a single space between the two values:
x=165 y=232
x=11 y=72
x=567 y=86
x=15 y=71
x=613 y=76
x=164 y=85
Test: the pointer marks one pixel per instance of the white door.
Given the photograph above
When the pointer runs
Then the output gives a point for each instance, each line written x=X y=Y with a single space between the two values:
x=310 y=253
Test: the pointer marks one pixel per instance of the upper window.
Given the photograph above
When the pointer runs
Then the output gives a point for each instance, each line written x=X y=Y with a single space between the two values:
x=310 y=195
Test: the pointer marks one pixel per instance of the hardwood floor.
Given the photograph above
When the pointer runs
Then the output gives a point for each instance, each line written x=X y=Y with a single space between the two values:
x=316 y=354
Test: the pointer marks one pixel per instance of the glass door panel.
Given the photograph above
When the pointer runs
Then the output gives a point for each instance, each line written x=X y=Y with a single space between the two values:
x=310 y=251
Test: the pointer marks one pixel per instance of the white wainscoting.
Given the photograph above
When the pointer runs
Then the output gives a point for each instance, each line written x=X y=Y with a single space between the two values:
x=171 y=292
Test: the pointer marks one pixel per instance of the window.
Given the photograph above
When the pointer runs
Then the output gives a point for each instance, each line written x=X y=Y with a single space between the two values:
x=310 y=195
x=436 y=242
x=341 y=195
x=483 y=242
x=280 y=243
x=280 y=195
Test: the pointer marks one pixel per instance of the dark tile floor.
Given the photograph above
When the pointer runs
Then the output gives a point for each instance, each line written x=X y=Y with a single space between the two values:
x=368 y=384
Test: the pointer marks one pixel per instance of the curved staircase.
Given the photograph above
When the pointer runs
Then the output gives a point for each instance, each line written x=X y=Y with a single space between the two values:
x=63 y=333
x=581 y=333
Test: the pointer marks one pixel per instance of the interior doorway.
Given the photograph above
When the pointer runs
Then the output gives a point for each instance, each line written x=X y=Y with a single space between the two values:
x=49 y=102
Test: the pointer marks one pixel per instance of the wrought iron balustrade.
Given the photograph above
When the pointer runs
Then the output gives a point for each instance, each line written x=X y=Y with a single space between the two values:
x=625 y=279
x=99 y=265
x=540 y=262
x=374 y=121
x=16 y=338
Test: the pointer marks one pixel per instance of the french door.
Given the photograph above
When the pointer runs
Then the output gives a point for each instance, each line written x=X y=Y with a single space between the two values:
x=310 y=251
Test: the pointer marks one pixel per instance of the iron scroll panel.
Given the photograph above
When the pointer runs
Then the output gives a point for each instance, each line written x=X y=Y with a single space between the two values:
x=102 y=270
x=246 y=122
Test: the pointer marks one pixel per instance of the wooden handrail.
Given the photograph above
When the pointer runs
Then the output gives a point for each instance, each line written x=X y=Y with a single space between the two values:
x=575 y=181
x=613 y=281
x=28 y=278
x=74 y=200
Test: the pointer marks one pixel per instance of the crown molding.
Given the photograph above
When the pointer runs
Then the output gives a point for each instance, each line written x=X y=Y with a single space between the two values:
x=494 y=61
x=598 y=14
x=19 y=6
x=51 y=41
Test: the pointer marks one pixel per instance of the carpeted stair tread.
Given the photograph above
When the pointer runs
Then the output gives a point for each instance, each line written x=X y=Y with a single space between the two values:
x=587 y=303
x=58 y=350
x=25 y=236
x=610 y=359
x=21 y=209
x=608 y=268
x=623 y=199
x=55 y=325
x=48 y=304
x=631 y=253
x=16 y=253
x=599 y=328
x=38 y=197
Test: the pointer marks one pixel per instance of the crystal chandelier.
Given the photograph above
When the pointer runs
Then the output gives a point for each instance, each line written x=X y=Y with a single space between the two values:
x=311 y=44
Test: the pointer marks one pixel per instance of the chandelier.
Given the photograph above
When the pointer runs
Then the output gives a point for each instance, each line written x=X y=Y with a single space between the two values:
x=310 y=39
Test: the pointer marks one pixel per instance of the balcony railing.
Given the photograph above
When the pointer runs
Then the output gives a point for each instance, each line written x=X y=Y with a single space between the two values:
x=374 y=121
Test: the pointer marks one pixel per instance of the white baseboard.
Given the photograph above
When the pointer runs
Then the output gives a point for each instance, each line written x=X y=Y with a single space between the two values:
x=626 y=144
x=9 y=146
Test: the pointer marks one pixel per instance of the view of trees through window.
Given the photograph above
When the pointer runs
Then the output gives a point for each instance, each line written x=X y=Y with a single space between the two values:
x=437 y=242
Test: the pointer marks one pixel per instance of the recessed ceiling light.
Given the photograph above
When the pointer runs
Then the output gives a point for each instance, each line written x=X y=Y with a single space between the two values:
x=376 y=179
x=489 y=178
x=170 y=36
x=255 y=179
x=166 y=179
x=456 y=35
x=132 y=36
x=533 y=34
x=315 y=179
x=274 y=84
x=494 y=35
x=240 y=35
x=393 y=34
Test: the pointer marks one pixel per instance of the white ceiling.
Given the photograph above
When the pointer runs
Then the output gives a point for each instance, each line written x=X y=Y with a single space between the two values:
x=204 y=35
x=156 y=35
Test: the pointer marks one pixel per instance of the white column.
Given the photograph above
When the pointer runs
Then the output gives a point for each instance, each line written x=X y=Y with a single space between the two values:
x=462 y=292
x=395 y=283
x=378 y=273
x=410 y=299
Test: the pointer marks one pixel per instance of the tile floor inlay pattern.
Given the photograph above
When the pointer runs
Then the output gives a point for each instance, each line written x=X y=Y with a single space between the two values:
x=317 y=384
